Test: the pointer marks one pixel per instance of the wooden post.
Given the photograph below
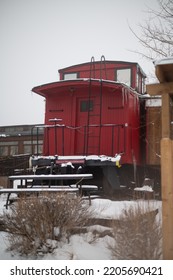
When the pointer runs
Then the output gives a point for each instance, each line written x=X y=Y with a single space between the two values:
x=165 y=88
x=165 y=117
x=167 y=197
x=167 y=180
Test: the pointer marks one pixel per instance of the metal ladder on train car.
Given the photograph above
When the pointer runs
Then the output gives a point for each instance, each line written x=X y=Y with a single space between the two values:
x=94 y=127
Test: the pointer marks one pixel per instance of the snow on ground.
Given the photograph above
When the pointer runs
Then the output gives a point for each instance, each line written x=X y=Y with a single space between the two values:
x=83 y=246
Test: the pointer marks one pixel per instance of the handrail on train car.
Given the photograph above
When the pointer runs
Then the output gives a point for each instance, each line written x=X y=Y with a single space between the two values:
x=85 y=142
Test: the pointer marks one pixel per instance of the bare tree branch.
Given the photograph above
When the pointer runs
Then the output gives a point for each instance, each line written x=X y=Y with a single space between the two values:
x=157 y=32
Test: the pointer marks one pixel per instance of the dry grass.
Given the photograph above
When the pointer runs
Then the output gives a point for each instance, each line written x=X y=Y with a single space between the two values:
x=137 y=236
x=33 y=222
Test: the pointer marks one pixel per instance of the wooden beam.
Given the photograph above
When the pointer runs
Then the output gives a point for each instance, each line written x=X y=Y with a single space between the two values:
x=164 y=72
x=159 y=74
x=167 y=197
x=160 y=89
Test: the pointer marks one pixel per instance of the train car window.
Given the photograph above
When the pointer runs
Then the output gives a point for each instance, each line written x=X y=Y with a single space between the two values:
x=140 y=83
x=70 y=76
x=143 y=85
x=86 y=105
x=123 y=76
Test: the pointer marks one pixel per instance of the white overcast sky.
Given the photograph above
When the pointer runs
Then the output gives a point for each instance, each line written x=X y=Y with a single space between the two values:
x=38 y=37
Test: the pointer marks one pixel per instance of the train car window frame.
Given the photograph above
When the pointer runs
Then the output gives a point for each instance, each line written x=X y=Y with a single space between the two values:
x=70 y=76
x=86 y=105
x=127 y=80
x=139 y=82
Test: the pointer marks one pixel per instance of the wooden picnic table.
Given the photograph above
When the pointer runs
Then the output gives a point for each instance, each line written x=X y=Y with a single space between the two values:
x=31 y=188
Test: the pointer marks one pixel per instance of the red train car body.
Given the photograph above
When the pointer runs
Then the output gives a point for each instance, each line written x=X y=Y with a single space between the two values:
x=94 y=110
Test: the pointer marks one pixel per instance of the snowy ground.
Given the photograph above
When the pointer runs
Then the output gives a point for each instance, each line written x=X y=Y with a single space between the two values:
x=80 y=247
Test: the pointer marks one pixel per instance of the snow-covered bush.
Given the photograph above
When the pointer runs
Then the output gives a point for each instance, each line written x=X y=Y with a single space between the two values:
x=34 y=221
x=137 y=235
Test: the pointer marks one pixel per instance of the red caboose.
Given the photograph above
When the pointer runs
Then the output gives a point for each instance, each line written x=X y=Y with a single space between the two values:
x=94 y=110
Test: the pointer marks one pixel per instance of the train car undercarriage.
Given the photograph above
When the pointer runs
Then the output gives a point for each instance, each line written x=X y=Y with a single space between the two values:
x=108 y=174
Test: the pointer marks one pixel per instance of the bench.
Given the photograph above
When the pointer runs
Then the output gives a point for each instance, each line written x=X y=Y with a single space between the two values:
x=37 y=191
x=81 y=190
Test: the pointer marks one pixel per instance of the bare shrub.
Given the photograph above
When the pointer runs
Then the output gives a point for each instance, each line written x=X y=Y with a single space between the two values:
x=35 y=222
x=137 y=236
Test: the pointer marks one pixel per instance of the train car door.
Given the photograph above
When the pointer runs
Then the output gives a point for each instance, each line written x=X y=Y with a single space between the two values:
x=86 y=133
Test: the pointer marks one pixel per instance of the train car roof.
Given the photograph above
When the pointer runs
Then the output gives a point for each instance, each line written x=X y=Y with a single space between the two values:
x=52 y=88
